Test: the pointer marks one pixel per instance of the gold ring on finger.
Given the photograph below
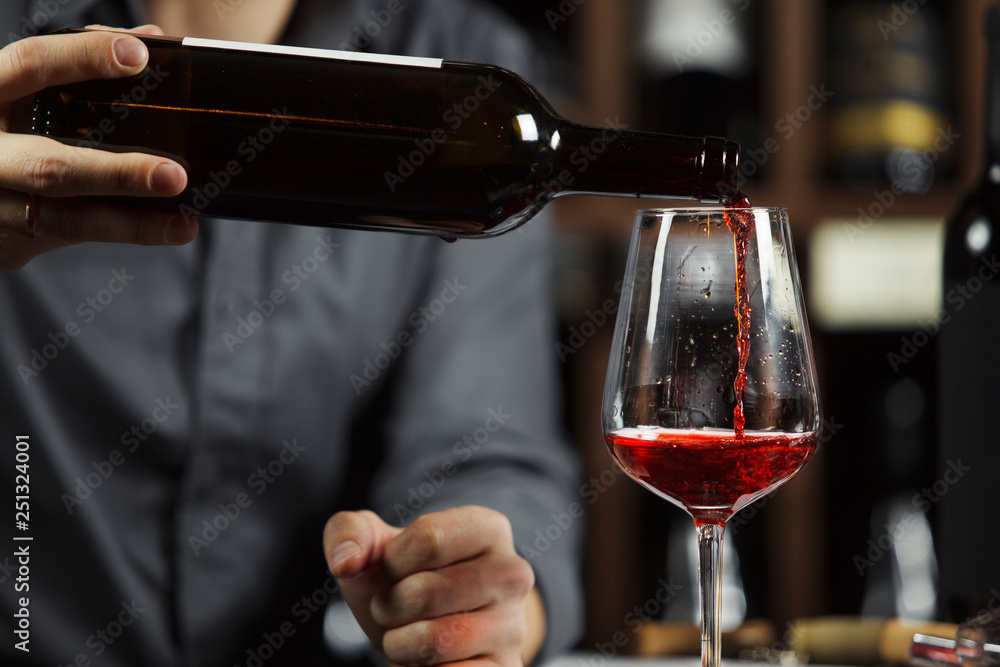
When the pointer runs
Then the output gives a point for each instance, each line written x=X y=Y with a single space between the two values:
x=19 y=213
x=30 y=211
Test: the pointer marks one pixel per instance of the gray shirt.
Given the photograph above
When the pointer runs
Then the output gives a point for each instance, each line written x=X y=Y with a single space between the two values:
x=195 y=414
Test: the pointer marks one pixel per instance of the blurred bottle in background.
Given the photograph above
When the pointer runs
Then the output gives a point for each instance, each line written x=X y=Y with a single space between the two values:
x=887 y=67
x=969 y=365
x=698 y=67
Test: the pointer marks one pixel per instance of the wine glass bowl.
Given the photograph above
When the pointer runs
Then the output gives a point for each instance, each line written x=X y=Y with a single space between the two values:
x=710 y=399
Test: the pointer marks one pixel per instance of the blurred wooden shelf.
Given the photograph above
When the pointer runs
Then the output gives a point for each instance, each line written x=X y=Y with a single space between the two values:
x=793 y=61
x=792 y=65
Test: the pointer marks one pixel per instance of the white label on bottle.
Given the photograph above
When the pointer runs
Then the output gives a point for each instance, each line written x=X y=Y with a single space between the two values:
x=410 y=61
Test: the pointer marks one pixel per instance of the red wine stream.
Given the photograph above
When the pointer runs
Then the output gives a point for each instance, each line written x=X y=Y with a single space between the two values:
x=740 y=221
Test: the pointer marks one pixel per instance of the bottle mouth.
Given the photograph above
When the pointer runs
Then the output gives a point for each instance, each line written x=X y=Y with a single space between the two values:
x=720 y=170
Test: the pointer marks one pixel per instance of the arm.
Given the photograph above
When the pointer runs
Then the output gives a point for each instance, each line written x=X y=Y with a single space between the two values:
x=54 y=177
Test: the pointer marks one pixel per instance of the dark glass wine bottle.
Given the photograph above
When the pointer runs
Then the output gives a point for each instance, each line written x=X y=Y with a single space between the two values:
x=366 y=141
x=969 y=365
x=888 y=64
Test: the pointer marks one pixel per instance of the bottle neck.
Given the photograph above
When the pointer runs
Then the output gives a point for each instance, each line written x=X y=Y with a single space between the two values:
x=614 y=160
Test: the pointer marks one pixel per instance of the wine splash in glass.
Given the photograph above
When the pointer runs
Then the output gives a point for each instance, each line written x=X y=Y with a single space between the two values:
x=710 y=399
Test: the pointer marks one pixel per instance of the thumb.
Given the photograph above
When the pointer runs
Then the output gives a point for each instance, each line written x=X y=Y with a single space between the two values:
x=354 y=540
x=354 y=543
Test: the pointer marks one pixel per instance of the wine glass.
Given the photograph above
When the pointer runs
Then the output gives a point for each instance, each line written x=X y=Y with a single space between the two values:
x=710 y=399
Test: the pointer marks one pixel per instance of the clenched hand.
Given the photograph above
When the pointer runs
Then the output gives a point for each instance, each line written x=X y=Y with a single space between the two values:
x=448 y=588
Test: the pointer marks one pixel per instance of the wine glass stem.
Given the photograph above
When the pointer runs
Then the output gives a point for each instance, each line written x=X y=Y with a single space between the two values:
x=710 y=576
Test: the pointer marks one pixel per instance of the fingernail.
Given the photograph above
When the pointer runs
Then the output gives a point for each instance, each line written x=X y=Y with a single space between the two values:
x=167 y=178
x=343 y=552
x=130 y=52
x=179 y=230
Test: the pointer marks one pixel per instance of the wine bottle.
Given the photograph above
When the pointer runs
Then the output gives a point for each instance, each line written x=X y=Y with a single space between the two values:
x=888 y=65
x=969 y=363
x=367 y=141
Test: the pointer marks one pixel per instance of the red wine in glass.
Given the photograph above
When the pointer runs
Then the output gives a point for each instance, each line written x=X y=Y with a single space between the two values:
x=711 y=474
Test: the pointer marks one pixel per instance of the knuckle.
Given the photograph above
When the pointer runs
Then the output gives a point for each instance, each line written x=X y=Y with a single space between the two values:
x=428 y=539
x=95 y=58
x=414 y=597
x=498 y=524
x=22 y=59
x=519 y=577
x=435 y=640
x=128 y=176
x=380 y=609
x=46 y=173
x=418 y=595
x=525 y=574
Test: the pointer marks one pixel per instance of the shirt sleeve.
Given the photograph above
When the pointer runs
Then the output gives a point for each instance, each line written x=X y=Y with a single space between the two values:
x=476 y=412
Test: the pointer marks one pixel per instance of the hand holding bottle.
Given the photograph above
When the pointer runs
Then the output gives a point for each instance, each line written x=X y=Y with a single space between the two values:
x=45 y=185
